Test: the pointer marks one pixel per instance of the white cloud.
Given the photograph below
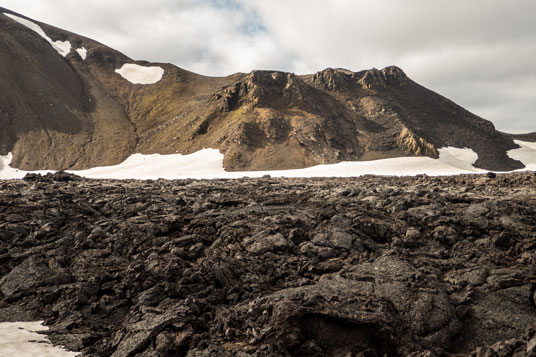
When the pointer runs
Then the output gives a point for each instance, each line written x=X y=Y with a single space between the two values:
x=479 y=53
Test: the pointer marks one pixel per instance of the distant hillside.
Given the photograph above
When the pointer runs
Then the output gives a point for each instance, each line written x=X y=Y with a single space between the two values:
x=73 y=105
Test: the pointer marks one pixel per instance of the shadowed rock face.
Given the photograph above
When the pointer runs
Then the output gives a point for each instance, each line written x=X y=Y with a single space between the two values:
x=369 y=266
x=60 y=113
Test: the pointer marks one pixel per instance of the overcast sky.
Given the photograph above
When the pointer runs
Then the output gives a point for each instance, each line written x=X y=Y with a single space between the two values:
x=479 y=53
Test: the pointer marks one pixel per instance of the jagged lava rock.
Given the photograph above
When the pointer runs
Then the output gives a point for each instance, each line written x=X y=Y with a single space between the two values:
x=323 y=267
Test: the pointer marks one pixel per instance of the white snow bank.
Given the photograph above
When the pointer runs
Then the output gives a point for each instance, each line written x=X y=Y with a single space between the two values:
x=462 y=159
x=526 y=154
x=9 y=173
x=139 y=74
x=21 y=339
x=63 y=47
x=208 y=164
x=82 y=52
x=6 y=171
x=452 y=161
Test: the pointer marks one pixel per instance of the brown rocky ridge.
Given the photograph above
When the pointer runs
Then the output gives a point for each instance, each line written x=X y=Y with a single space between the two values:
x=72 y=113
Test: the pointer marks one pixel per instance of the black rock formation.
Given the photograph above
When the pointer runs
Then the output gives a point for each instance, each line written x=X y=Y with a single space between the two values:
x=369 y=266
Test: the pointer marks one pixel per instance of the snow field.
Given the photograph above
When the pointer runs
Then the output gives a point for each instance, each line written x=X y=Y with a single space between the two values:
x=208 y=164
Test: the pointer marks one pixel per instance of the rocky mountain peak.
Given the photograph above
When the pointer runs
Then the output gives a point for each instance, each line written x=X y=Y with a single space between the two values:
x=261 y=88
x=377 y=79
x=333 y=79
x=269 y=78
x=395 y=75
x=79 y=113
x=342 y=79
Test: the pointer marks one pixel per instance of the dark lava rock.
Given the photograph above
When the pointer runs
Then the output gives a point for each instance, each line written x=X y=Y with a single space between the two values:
x=413 y=266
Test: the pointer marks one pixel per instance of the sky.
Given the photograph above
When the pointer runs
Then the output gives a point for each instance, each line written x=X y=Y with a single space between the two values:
x=479 y=53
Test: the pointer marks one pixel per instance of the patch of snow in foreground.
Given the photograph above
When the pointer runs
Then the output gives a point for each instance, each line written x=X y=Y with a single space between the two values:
x=63 y=47
x=139 y=74
x=82 y=52
x=526 y=154
x=20 y=339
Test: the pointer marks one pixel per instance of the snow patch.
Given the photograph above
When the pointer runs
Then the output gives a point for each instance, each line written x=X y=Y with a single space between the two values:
x=63 y=47
x=208 y=164
x=526 y=154
x=139 y=74
x=22 y=340
x=82 y=52
x=6 y=171
x=462 y=159
x=9 y=173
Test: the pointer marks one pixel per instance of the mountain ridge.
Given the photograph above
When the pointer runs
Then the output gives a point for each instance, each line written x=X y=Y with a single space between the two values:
x=74 y=113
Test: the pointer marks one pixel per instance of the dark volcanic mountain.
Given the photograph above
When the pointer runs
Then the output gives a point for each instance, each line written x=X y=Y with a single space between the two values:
x=71 y=112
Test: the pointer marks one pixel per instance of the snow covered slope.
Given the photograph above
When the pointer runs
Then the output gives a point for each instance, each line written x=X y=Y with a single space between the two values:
x=63 y=47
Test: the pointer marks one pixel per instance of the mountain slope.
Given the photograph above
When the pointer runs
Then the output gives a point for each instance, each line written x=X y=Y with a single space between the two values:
x=75 y=111
x=55 y=112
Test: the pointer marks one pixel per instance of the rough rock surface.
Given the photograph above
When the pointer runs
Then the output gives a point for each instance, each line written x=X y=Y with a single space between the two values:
x=368 y=266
